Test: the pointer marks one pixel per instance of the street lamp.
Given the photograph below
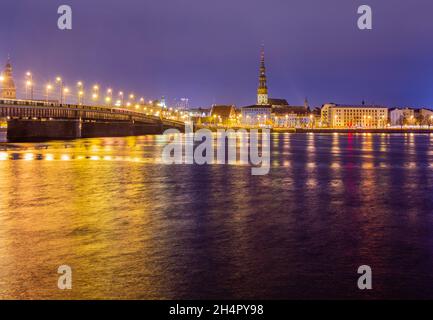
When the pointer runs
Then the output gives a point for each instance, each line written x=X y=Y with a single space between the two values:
x=59 y=81
x=109 y=97
x=131 y=98
x=95 y=94
x=29 y=84
x=80 y=92
x=81 y=97
x=47 y=91
x=121 y=98
x=65 y=93
x=95 y=97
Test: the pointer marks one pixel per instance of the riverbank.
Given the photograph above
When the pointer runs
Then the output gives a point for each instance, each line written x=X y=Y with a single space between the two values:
x=330 y=130
x=371 y=130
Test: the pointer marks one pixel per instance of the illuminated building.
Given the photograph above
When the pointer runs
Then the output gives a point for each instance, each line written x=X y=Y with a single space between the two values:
x=7 y=84
x=354 y=116
x=285 y=115
x=401 y=116
x=270 y=111
x=261 y=113
x=223 y=114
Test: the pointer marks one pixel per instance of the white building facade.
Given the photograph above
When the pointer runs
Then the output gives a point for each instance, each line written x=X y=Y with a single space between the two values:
x=354 y=116
x=401 y=116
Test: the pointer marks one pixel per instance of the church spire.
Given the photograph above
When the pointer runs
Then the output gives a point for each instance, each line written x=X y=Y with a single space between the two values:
x=262 y=91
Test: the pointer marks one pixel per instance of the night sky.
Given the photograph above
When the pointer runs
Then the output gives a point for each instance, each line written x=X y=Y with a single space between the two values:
x=208 y=50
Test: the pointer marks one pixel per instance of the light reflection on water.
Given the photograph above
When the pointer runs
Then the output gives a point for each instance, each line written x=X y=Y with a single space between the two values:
x=131 y=227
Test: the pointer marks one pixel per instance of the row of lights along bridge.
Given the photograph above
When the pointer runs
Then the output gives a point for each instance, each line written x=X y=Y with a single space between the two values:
x=57 y=91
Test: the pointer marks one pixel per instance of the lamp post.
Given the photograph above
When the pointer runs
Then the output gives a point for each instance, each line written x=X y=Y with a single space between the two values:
x=121 y=98
x=95 y=94
x=65 y=94
x=131 y=98
x=29 y=84
x=109 y=96
x=59 y=81
x=80 y=92
x=47 y=91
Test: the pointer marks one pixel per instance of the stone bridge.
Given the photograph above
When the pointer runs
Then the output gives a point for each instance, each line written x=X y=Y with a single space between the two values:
x=40 y=120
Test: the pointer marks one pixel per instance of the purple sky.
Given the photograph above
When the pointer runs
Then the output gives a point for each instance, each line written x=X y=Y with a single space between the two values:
x=208 y=50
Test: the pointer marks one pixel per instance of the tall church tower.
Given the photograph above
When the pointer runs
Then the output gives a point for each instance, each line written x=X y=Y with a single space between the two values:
x=7 y=85
x=262 y=91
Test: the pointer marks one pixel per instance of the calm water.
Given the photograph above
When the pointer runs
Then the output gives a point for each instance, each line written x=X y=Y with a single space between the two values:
x=131 y=227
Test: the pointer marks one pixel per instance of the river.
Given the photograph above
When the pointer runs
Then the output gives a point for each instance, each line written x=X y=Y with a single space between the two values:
x=132 y=227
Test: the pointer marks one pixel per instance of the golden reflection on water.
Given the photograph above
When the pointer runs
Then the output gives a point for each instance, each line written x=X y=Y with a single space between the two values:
x=130 y=226
x=335 y=143
x=335 y=183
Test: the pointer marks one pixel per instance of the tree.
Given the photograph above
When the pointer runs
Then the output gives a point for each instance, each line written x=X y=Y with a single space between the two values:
x=401 y=121
x=419 y=119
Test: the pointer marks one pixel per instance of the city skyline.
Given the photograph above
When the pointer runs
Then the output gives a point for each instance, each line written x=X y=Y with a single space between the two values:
x=326 y=60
